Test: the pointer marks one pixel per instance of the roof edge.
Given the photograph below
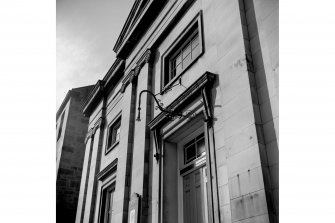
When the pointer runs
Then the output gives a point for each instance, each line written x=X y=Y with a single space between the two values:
x=102 y=86
x=133 y=32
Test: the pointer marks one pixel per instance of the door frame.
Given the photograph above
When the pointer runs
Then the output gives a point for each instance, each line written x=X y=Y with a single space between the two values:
x=212 y=197
x=198 y=93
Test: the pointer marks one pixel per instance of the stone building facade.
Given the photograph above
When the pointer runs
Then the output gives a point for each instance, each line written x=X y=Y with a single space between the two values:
x=184 y=125
x=71 y=131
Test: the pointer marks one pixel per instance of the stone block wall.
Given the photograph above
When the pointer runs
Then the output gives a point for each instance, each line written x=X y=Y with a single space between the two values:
x=71 y=156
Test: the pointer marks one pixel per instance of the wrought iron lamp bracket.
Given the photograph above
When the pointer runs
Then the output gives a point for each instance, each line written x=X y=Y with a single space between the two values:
x=169 y=113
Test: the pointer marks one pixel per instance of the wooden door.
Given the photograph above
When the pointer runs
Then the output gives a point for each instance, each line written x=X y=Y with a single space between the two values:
x=195 y=196
x=109 y=206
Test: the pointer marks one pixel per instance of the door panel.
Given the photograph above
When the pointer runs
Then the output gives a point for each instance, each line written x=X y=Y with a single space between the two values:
x=188 y=198
x=195 y=199
x=110 y=207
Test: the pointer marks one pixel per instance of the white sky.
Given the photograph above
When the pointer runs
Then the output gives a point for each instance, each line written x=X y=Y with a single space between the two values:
x=86 y=33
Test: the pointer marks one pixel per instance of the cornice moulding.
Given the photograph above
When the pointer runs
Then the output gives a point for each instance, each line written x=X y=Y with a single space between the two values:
x=166 y=24
x=117 y=66
x=126 y=25
x=103 y=86
x=92 y=98
x=130 y=36
x=107 y=170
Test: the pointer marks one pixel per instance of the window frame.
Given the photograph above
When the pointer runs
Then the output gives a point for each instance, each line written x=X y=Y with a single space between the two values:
x=179 y=51
x=112 y=128
x=107 y=178
x=194 y=141
x=106 y=190
x=195 y=26
x=107 y=203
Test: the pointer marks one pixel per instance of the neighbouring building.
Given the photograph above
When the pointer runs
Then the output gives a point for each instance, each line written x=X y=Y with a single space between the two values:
x=71 y=129
x=184 y=125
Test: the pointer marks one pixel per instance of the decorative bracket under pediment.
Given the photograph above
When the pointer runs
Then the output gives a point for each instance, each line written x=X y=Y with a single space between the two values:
x=132 y=75
x=89 y=135
x=91 y=132
x=98 y=124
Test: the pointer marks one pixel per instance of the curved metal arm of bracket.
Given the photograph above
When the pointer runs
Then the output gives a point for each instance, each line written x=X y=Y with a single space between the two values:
x=169 y=113
x=156 y=100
